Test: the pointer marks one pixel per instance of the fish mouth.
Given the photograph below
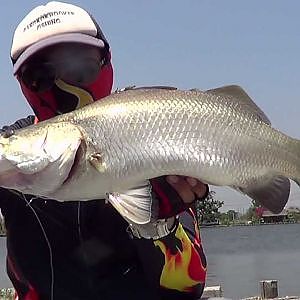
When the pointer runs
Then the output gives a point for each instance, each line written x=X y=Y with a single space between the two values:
x=76 y=162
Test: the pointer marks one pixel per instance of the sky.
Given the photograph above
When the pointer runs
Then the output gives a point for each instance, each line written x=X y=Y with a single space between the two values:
x=189 y=44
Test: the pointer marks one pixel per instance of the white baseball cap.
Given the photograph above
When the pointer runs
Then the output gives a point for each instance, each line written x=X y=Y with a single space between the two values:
x=50 y=24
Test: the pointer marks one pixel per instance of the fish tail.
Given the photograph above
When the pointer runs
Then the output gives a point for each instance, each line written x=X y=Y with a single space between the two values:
x=294 y=145
x=274 y=192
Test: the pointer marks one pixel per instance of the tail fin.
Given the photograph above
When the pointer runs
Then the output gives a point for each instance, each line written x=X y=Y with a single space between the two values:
x=294 y=146
x=297 y=181
x=272 y=195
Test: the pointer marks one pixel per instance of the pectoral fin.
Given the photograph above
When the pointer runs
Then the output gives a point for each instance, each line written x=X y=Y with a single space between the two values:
x=96 y=161
x=134 y=204
x=272 y=195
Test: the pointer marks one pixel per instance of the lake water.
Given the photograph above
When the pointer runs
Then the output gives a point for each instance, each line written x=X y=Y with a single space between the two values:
x=239 y=257
x=4 y=281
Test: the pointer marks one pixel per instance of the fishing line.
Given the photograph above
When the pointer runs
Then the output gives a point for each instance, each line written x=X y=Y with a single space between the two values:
x=47 y=241
x=78 y=221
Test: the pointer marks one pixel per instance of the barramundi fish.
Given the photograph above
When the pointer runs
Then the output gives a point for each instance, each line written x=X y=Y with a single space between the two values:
x=219 y=136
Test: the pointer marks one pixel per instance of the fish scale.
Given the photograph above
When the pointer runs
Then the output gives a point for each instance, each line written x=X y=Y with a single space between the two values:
x=219 y=136
x=179 y=118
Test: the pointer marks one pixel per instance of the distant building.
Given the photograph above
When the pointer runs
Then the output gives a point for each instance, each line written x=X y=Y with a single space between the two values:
x=210 y=223
x=293 y=209
x=268 y=217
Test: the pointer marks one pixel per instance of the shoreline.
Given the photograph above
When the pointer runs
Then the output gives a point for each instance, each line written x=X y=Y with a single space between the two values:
x=240 y=224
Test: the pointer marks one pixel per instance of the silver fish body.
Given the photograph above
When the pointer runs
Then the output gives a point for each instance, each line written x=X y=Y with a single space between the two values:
x=219 y=136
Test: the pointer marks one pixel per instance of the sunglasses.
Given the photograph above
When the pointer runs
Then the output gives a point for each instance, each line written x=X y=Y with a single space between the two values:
x=41 y=76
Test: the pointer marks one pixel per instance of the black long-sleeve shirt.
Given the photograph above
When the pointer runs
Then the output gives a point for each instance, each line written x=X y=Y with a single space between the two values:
x=81 y=250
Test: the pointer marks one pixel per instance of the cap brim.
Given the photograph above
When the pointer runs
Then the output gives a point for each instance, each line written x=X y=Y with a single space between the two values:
x=62 y=38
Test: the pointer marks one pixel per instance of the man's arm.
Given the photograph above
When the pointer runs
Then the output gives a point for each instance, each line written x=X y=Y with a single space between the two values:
x=174 y=263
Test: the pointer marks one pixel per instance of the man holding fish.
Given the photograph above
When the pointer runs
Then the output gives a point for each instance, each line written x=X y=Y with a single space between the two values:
x=141 y=243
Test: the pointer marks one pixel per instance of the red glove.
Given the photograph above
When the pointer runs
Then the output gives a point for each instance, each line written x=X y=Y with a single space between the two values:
x=176 y=198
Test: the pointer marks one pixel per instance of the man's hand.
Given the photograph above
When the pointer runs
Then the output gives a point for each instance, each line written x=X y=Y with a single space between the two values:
x=7 y=131
x=188 y=188
x=175 y=194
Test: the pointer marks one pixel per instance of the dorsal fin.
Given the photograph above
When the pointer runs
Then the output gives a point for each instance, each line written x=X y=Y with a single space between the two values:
x=239 y=95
